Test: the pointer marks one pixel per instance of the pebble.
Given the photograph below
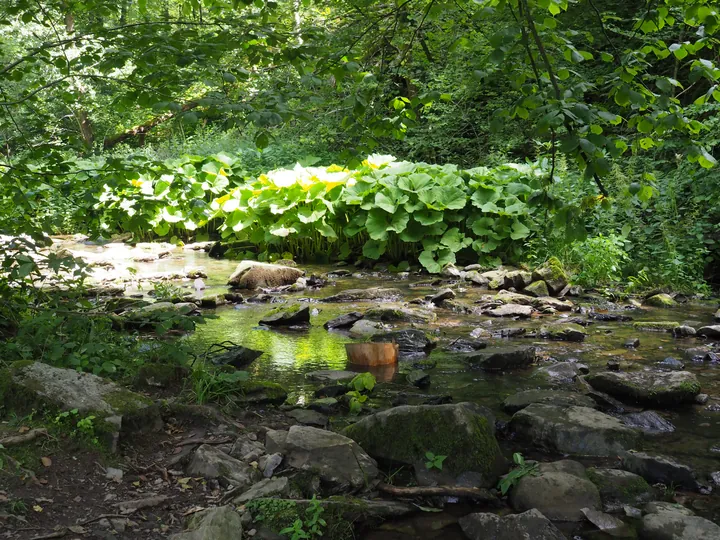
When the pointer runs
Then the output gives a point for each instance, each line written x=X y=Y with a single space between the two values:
x=633 y=343
x=116 y=475
x=701 y=399
x=715 y=477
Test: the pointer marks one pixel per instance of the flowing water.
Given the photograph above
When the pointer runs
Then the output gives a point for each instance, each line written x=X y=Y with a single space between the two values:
x=290 y=354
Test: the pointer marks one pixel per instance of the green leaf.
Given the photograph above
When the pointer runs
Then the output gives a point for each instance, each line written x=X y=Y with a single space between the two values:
x=374 y=249
x=427 y=259
x=519 y=231
x=428 y=217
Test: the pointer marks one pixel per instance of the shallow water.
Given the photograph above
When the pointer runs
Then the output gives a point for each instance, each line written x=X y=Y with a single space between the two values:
x=290 y=354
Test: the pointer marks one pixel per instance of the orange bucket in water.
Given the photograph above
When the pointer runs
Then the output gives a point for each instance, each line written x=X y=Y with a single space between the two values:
x=372 y=354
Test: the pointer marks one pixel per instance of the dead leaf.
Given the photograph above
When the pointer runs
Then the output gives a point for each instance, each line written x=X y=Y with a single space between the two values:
x=38 y=508
x=46 y=461
x=77 y=529
x=23 y=429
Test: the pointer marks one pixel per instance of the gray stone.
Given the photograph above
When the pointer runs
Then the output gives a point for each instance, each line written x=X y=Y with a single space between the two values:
x=123 y=411
x=511 y=310
x=339 y=462
x=663 y=469
x=647 y=421
x=632 y=343
x=271 y=463
x=503 y=359
x=659 y=507
x=683 y=331
x=209 y=462
x=545 y=302
x=552 y=274
x=330 y=375
x=409 y=341
x=665 y=389
x=608 y=524
x=530 y=525
x=440 y=296
x=255 y=275
x=560 y=371
x=361 y=295
x=343 y=321
x=518 y=279
x=618 y=487
x=573 y=430
x=537 y=288
x=268 y=487
x=672 y=364
x=418 y=378
x=559 y=494
x=716 y=317
x=671 y=526
x=296 y=314
x=219 y=523
x=465 y=432
x=238 y=357
x=712 y=332
x=246 y=449
x=308 y=417
x=401 y=315
x=476 y=278
x=561 y=398
x=564 y=332
x=365 y=328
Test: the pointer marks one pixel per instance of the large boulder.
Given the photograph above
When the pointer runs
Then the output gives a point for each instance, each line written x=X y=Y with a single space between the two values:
x=30 y=385
x=519 y=401
x=254 y=275
x=343 y=321
x=530 y=525
x=210 y=462
x=553 y=274
x=365 y=295
x=573 y=430
x=660 y=469
x=537 y=288
x=503 y=359
x=659 y=388
x=218 y=523
x=519 y=279
x=559 y=490
x=291 y=316
x=676 y=526
x=510 y=310
x=464 y=432
x=337 y=460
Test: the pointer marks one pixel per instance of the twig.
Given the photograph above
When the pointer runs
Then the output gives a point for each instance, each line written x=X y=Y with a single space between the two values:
x=23 y=438
x=103 y=516
x=203 y=441
x=132 y=506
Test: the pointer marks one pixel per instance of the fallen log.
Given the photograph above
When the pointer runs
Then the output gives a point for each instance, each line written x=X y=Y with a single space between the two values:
x=479 y=494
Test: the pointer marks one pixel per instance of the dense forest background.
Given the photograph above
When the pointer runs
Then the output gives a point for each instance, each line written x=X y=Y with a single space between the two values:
x=163 y=119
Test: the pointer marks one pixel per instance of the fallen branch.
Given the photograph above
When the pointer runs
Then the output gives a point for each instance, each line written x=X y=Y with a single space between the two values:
x=24 y=437
x=439 y=491
x=56 y=534
x=103 y=516
x=203 y=441
x=133 y=506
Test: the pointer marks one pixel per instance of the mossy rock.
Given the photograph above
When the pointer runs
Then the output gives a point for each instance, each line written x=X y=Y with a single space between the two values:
x=553 y=274
x=664 y=389
x=537 y=288
x=661 y=300
x=657 y=326
x=260 y=392
x=464 y=432
x=395 y=315
x=564 y=332
x=618 y=486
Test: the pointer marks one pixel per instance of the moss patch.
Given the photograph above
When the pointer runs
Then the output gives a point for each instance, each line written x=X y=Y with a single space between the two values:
x=662 y=326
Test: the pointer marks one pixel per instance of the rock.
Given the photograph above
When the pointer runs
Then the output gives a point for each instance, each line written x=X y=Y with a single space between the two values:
x=716 y=317
x=27 y=385
x=519 y=279
x=573 y=430
x=521 y=400
x=665 y=389
x=155 y=375
x=647 y=421
x=343 y=321
x=409 y=341
x=324 y=405
x=365 y=328
x=418 y=378
x=608 y=524
x=660 y=300
x=238 y=357
x=361 y=295
x=712 y=332
x=219 y=523
x=147 y=317
x=659 y=507
x=564 y=332
x=537 y=288
x=209 y=462
x=673 y=526
x=401 y=315
x=503 y=359
x=308 y=417
x=451 y=271
x=291 y=316
x=672 y=364
x=465 y=345
x=530 y=525
x=619 y=487
x=440 y=296
x=465 y=432
x=271 y=463
x=476 y=278
x=246 y=449
x=560 y=371
x=116 y=475
x=552 y=273
x=255 y=275
x=268 y=487
x=340 y=463
x=632 y=343
x=656 y=326
x=257 y=392
x=330 y=376
x=683 y=331
x=510 y=310
x=663 y=469
x=560 y=491
x=543 y=303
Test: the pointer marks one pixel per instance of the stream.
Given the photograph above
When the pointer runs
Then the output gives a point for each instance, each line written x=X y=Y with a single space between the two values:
x=290 y=354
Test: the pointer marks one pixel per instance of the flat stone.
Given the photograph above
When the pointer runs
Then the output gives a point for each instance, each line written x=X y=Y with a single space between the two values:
x=410 y=341
x=219 y=523
x=544 y=302
x=618 y=487
x=561 y=398
x=330 y=375
x=672 y=364
x=401 y=315
x=360 y=295
x=343 y=321
x=511 y=310
x=660 y=300
x=365 y=328
x=536 y=288
x=210 y=462
x=564 y=332
x=659 y=507
x=648 y=388
x=268 y=487
x=560 y=371
x=308 y=417
x=255 y=275
x=573 y=430
x=712 y=332
x=293 y=315
x=418 y=378
x=440 y=296
x=503 y=359
x=663 y=469
x=672 y=526
x=530 y=525
x=683 y=332
x=608 y=524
